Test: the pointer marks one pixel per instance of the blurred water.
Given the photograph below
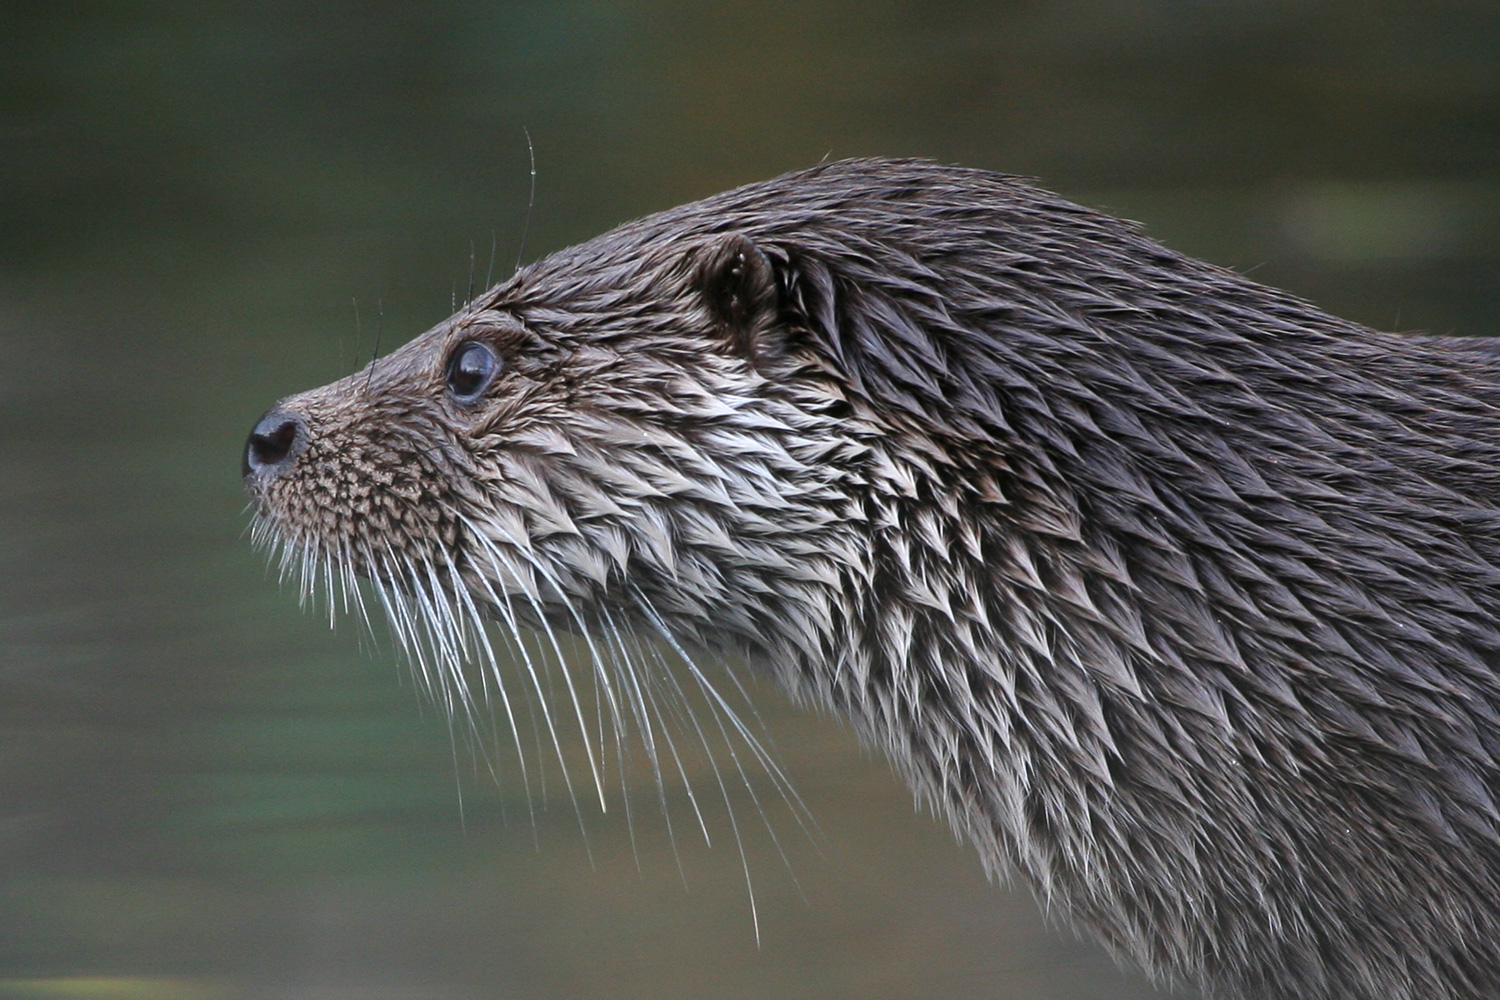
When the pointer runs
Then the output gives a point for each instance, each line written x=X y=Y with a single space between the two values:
x=204 y=792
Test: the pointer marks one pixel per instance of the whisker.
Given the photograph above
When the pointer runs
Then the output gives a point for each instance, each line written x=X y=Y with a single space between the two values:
x=734 y=825
x=537 y=566
x=440 y=607
x=492 y=662
x=497 y=563
x=767 y=761
x=624 y=666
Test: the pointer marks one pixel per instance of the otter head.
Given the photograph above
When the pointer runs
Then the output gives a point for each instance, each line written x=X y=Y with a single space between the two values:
x=629 y=432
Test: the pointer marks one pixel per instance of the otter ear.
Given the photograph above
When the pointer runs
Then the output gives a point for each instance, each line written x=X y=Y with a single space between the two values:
x=738 y=284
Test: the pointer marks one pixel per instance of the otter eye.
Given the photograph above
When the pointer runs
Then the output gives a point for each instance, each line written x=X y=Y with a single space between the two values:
x=471 y=369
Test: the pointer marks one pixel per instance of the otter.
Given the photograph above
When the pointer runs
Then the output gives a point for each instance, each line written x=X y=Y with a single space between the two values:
x=1178 y=596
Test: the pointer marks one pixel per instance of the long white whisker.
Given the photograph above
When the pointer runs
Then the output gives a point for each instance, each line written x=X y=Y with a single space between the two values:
x=734 y=825
x=536 y=565
x=438 y=604
x=497 y=564
x=625 y=667
x=492 y=662
x=767 y=761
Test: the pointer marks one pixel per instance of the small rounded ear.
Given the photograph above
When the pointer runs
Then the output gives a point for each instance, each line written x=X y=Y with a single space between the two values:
x=738 y=285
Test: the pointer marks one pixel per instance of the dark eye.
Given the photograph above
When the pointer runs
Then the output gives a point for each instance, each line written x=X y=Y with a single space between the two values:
x=471 y=369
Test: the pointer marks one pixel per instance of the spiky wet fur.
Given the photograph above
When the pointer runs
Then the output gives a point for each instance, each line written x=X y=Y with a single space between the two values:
x=1177 y=595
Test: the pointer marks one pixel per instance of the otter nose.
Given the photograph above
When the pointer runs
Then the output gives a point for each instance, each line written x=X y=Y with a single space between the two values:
x=272 y=440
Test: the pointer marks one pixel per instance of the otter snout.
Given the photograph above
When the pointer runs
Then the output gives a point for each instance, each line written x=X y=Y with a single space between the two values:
x=278 y=436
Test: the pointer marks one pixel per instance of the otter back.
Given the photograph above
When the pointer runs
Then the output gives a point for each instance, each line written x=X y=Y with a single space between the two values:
x=1177 y=595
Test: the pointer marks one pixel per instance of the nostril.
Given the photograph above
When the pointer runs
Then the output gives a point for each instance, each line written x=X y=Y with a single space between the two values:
x=271 y=441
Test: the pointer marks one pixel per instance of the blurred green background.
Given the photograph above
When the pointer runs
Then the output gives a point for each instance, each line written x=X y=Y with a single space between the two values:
x=205 y=793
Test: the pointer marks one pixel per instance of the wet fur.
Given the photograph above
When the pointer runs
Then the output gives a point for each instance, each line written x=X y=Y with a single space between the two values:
x=1176 y=594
